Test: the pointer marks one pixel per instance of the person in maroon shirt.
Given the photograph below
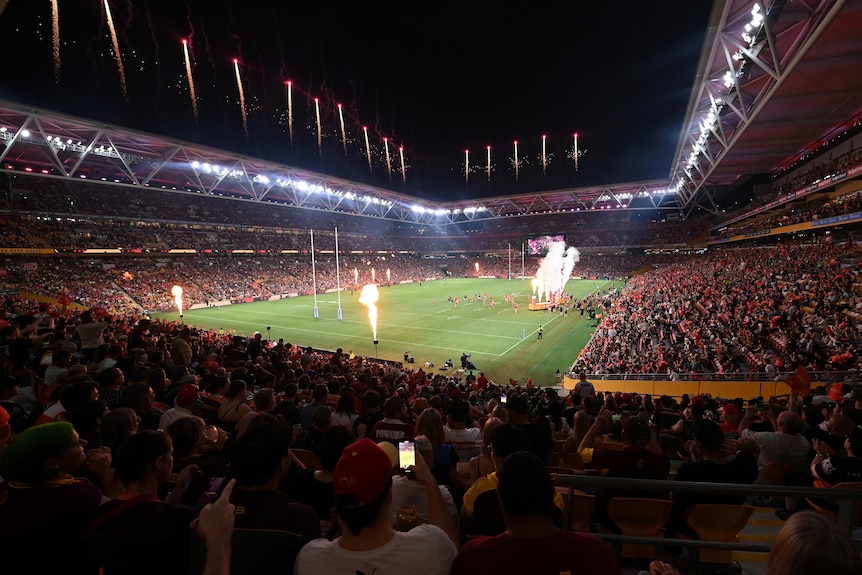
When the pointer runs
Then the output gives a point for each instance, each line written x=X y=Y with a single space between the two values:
x=640 y=458
x=393 y=427
x=482 y=381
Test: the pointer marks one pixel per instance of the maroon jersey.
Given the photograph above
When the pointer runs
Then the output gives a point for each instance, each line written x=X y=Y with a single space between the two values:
x=391 y=430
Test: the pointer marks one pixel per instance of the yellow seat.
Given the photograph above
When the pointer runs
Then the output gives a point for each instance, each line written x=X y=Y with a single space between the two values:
x=773 y=474
x=579 y=511
x=640 y=517
x=855 y=517
x=717 y=522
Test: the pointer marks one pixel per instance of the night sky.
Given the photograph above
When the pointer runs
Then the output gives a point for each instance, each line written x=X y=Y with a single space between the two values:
x=435 y=78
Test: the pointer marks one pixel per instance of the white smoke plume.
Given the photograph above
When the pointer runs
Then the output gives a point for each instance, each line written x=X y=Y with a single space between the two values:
x=555 y=270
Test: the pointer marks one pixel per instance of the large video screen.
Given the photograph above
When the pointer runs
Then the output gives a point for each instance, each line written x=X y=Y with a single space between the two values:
x=538 y=245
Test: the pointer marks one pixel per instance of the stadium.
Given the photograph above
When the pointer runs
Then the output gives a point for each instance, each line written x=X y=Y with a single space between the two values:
x=736 y=276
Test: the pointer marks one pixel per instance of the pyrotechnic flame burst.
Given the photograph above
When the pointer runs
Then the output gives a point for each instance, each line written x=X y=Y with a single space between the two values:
x=177 y=292
x=368 y=298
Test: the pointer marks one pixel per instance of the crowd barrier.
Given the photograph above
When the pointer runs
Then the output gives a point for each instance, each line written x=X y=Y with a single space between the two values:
x=717 y=388
x=589 y=483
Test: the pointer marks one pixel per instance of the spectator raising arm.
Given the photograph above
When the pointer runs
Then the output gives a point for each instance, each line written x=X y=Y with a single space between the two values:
x=215 y=526
x=437 y=514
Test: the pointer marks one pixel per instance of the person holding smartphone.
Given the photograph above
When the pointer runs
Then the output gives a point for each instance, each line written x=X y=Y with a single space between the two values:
x=368 y=543
x=409 y=498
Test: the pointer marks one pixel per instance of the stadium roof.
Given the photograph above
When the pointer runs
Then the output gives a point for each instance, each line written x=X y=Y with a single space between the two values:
x=764 y=96
x=52 y=144
x=778 y=83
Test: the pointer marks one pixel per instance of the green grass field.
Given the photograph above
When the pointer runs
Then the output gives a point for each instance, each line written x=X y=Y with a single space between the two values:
x=503 y=343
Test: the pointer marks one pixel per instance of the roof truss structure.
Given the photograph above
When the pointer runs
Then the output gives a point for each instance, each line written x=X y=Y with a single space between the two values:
x=776 y=80
x=61 y=146
x=764 y=96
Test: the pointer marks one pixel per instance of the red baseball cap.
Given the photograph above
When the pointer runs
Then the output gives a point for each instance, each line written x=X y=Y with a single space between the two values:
x=187 y=394
x=363 y=471
x=730 y=409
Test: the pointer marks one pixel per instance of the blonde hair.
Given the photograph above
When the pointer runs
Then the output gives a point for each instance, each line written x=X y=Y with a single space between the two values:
x=810 y=543
x=430 y=424
x=491 y=424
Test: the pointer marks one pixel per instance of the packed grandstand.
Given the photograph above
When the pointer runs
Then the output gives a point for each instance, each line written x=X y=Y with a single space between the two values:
x=766 y=292
x=694 y=302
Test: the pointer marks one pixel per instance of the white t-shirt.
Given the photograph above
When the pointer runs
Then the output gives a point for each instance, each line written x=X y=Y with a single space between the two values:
x=172 y=415
x=339 y=418
x=407 y=493
x=424 y=550
x=92 y=334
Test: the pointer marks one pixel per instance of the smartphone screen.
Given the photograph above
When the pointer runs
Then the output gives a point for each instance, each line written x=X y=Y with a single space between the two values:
x=214 y=485
x=503 y=399
x=406 y=454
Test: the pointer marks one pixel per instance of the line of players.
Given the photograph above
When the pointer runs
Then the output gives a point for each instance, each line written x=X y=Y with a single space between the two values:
x=562 y=304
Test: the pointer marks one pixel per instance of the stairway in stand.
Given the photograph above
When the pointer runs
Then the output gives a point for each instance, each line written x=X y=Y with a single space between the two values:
x=762 y=528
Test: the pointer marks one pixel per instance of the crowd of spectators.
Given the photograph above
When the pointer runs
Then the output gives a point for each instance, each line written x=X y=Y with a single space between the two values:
x=117 y=432
x=713 y=315
x=84 y=458
x=123 y=284
x=847 y=204
x=756 y=311
x=788 y=185
x=85 y=395
x=76 y=215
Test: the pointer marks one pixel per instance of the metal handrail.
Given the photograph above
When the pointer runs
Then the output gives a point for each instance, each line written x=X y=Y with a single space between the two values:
x=817 y=377
x=846 y=498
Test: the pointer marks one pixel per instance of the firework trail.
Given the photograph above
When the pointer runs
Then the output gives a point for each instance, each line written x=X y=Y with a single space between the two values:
x=191 y=79
x=388 y=162
x=367 y=147
x=288 y=94
x=319 y=135
x=117 y=54
x=55 y=17
x=241 y=97
x=343 y=131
